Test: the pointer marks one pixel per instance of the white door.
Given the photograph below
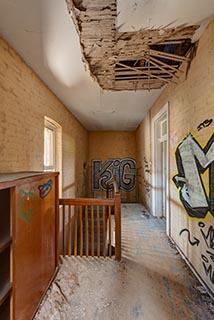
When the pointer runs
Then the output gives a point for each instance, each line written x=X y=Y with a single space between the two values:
x=160 y=166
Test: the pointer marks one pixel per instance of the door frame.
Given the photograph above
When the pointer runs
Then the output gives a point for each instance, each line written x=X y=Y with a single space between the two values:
x=156 y=193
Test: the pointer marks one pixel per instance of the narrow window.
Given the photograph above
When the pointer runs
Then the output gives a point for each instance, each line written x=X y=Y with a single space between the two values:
x=49 y=147
x=53 y=148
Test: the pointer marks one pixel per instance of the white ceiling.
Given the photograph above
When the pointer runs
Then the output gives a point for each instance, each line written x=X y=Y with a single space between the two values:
x=42 y=32
x=137 y=14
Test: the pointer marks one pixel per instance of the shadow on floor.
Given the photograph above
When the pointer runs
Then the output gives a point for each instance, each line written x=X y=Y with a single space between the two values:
x=151 y=282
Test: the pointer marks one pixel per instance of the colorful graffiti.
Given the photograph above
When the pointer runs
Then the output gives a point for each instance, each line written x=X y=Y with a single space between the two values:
x=192 y=162
x=103 y=173
x=28 y=204
x=45 y=189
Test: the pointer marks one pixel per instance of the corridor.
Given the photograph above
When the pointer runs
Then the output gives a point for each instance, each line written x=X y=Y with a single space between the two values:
x=151 y=282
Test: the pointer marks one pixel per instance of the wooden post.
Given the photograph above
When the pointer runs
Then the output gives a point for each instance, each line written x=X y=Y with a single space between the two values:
x=63 y=230
x=86 y=231
x=81 y=233
x=75 y=231
x=110 y=230
x=57 y=219
x=117 y=213
x=92 y=231
x=98 y=231
x=104 y=231
x=69 y=230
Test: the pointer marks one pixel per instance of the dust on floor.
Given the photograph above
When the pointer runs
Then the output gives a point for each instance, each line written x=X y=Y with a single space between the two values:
x=151 y=282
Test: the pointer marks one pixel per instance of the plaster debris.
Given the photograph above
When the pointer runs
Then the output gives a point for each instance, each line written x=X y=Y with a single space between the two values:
x=211 y=308
x=139 y=60
x=201 y=289
x=150 y=282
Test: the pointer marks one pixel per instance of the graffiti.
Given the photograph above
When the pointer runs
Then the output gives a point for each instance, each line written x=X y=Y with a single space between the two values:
x=196 y=191
x=207 y=242
x=204 y=124
x=192 y=243
x=123 y=169
x=209 y=236
x=208 y=256
x=147 y=173
x=146 y=166
x=192 y=161
x=208 y=268
x=45 y=189
x=28 y=204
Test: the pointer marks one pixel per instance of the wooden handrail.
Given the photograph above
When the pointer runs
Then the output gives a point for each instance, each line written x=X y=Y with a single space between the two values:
x=87 y=201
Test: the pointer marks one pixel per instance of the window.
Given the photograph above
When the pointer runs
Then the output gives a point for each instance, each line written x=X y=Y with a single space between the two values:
x=49 y=147
x=53 y=148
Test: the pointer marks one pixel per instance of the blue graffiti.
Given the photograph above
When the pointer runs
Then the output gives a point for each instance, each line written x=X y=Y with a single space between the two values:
x=45 y=189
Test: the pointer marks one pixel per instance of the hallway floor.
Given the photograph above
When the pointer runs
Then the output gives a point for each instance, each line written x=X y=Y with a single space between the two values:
x=151 y=282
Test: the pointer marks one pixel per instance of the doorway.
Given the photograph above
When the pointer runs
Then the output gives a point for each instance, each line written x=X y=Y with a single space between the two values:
x=160 y=187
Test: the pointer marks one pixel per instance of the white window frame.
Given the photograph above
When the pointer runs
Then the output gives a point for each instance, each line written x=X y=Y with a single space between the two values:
x=57 y=165
x=48 y=125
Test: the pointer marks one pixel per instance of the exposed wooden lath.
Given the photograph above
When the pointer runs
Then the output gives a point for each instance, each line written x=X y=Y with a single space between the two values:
x=146 y=59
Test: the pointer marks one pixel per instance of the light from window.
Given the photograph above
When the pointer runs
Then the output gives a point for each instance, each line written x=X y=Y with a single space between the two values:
x=49 y=149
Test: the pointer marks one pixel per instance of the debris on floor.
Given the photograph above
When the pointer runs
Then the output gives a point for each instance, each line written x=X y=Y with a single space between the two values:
x=201 y=289
x=150 y=283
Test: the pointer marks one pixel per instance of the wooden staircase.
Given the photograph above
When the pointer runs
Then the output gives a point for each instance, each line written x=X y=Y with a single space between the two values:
x=97 y=223
x=91 y=227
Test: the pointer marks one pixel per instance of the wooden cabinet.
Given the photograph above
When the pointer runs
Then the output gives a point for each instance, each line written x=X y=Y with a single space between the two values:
x=28 y=241
x=5 y=253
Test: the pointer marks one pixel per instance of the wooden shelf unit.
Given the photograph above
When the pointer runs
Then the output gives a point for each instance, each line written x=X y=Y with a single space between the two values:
x=5 y=254
x=28 y=241
x=5 y=310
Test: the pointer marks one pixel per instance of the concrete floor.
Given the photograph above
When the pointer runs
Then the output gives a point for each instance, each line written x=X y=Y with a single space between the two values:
x=150 y=283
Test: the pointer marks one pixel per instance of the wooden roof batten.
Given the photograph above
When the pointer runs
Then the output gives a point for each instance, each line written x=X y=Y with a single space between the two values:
x=142 y=60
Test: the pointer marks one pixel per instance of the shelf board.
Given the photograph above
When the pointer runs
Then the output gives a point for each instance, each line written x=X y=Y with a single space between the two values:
x=4 y=292
x=5 y=243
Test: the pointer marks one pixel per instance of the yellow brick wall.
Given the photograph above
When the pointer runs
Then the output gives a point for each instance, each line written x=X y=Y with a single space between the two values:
x=24 y=101
x=106 y=145
x=143 y=139
x=191 y=102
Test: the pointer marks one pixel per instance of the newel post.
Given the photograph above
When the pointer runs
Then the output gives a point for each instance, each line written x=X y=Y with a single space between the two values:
x=117 y=226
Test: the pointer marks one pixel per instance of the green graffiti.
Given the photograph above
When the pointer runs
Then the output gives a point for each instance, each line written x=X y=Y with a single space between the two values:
x=28 y=204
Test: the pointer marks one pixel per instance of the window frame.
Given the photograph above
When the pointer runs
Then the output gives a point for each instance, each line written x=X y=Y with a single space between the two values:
x=50 y=126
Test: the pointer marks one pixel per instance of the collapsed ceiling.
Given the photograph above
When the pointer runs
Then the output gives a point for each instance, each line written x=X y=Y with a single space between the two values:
x=140 y=60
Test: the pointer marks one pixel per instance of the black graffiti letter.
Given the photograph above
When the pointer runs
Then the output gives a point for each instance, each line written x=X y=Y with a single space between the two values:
x=101 y=175
x=127 y=174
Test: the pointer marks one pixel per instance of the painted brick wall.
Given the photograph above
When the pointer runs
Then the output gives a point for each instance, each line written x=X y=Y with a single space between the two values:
x=105 y=145
x=191 y=103
x=143 y=139
x=24 y=101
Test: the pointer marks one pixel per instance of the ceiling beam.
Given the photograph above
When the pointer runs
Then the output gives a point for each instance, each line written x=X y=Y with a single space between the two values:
x=126 y=72
x=169 y=56
x=165 y=65
x=157 y=77
x=160 y=67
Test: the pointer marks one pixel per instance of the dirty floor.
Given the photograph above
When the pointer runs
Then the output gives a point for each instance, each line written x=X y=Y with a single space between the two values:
x=150 y=283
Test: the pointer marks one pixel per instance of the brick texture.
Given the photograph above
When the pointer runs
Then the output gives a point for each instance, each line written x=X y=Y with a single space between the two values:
x=25 y=100
x=191 y=102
